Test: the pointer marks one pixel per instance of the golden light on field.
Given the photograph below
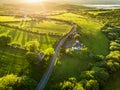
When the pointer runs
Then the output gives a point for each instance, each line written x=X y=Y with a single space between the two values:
x=33 y=1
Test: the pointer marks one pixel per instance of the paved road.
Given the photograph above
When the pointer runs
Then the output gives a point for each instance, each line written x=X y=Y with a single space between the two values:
x=49 y=70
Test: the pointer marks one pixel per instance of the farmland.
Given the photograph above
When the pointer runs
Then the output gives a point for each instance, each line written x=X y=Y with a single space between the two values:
x=92 y=37
x=11 y=18
x=23 y=30
x=31 y=34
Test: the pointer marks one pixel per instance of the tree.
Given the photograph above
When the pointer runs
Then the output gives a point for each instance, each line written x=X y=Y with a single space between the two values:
x=114 y=46
x=101 y=75
x=16 y=45
x=77 y=36
x=78 y=86
x=4 y=40
x=99 y=57
x=32 y=46
x=32 y=57
x=7 y=82
x=48 y=53
x=69 y=84
x=92 y=85
x=13 y=82
x=114 y=55
x=87 y=75
x=112 y=65
x=27 y=83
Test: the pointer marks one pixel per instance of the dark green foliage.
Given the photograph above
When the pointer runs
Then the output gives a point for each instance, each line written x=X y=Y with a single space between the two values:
x=92 y=85
x=112 y=65
x=27 y=83
x=16 y=45
x=77 y=36
x=71 y=84
x=87 y=75
x=13 y=82
x=101 y=75
x=32 y=57
x=78 y=86
x=4 y=40
x=32 y=46
x=114 y=46
x=114 y=55
x=99 y=58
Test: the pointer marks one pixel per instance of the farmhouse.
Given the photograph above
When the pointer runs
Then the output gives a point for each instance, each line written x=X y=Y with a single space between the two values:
x=77 y=45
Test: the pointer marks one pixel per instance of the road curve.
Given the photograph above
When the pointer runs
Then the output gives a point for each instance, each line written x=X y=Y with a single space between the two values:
x=49 y=70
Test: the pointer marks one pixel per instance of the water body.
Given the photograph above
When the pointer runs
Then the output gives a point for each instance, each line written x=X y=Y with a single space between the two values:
x=104 y=6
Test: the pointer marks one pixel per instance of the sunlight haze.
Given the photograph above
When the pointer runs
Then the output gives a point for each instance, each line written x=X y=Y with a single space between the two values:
x=67 y=1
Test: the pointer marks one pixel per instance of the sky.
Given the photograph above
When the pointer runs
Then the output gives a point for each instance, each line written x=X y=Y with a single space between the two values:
x=72 y=1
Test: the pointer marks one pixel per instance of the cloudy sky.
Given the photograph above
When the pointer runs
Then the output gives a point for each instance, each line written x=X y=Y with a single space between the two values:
x=73 y=1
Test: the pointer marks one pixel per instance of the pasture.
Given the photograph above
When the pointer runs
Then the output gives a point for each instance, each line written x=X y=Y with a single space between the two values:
x=90 y=32
x=92 y=37
x=23 y=37
x=12 y=18
x=12 y=60
x=43 y=26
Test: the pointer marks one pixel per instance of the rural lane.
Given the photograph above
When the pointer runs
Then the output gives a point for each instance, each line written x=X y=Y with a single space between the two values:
x=49 y=70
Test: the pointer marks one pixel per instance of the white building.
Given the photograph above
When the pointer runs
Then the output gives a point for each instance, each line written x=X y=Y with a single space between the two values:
x=77 y=45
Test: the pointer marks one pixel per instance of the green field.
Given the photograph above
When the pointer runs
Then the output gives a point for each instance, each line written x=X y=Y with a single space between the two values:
x=92 y=37
x=13 y=60
x=43 y=26
x=68 y=66
x=90 y=32
x=23 y=37
x=11 y=18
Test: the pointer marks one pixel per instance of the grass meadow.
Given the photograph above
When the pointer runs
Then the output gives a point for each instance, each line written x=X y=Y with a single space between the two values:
x=90 y=32
x=43 y=26
x=12 y=18
x=92 y=37
x=13 y=60
x=24 y=37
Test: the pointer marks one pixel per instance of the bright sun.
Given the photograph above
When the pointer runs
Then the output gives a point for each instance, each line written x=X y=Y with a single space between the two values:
x=33 y=1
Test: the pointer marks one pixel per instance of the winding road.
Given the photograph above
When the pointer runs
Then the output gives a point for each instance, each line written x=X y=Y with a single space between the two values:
x=49 y=70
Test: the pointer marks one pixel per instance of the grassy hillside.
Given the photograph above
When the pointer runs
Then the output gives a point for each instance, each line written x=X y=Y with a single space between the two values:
x=92 y=37
x=90 y=32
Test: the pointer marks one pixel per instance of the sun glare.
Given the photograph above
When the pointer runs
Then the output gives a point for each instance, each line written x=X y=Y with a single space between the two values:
x=33 y=1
